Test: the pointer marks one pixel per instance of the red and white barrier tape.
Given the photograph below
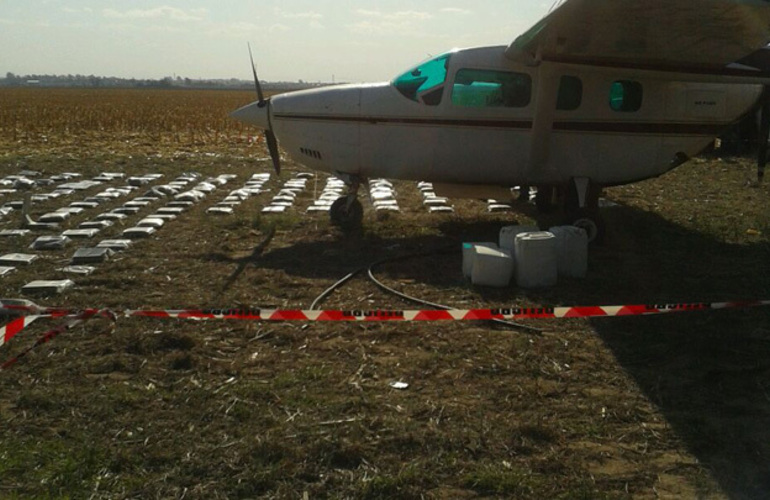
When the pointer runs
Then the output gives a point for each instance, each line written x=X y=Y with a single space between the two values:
x=23 y=321
x=26 y=312
x=9 y=331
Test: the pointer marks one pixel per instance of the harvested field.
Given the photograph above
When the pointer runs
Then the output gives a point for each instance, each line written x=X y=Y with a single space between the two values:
x=642 y=407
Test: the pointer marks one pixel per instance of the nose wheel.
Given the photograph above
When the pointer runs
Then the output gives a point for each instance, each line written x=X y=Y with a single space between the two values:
x=346 y=212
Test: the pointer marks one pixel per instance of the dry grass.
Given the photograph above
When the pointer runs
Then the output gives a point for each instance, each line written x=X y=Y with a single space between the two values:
x=672 y=406
x=29 y=116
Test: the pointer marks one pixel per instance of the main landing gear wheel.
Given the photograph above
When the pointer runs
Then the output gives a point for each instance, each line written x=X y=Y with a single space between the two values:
x=591 y=222
x=581 y=205
x=347 y=214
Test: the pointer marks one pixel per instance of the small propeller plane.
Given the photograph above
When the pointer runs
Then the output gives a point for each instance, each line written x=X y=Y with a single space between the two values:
x=598 y=93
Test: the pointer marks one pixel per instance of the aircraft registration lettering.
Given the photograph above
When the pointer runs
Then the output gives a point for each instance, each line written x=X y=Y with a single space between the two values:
x=707 y=104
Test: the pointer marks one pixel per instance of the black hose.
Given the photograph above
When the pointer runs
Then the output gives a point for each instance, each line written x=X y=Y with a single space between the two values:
x=434 y=305
x=331 y=289
x=403 y=296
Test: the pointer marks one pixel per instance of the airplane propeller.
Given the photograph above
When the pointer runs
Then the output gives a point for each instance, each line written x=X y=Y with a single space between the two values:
x=272 y=141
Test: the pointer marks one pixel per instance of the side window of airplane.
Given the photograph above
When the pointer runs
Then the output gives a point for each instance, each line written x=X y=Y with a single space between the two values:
x=570 y=93
x=479 y=88
x=425 y=83
x=626 y=96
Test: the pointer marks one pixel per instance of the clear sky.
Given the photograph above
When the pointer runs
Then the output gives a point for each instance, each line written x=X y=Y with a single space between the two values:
x=311 y=40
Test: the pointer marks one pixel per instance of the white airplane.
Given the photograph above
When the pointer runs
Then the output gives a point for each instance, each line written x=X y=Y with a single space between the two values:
x=598 y=93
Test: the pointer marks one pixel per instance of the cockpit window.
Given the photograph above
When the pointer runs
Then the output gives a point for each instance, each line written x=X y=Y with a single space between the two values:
x=425 y=82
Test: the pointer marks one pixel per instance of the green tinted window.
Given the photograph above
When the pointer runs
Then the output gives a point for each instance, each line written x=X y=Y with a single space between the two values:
x=421 y=80
x=486 y=88
x=570 y=93
x=626 y=96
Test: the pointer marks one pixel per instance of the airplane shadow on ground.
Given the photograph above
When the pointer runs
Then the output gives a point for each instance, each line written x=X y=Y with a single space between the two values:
x=333 y=257
x=708 y=373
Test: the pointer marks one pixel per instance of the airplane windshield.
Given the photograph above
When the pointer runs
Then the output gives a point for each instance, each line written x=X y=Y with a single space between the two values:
x=425 y=80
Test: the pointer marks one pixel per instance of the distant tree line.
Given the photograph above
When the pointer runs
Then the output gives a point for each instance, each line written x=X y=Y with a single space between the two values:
x=92 y=81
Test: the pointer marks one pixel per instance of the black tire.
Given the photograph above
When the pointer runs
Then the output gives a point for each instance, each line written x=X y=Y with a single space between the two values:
x=344 y=216
x=590 y=221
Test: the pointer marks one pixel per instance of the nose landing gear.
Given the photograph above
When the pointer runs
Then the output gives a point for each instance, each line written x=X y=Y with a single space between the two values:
x=346 y=212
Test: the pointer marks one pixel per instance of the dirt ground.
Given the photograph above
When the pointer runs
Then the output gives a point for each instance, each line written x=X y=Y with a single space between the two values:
x=643 y=407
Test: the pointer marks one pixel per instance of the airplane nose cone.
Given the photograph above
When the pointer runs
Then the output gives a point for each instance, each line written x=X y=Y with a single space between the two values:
x=253 y=114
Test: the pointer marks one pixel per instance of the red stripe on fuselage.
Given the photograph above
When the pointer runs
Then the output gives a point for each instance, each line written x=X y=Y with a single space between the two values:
x=647 y=128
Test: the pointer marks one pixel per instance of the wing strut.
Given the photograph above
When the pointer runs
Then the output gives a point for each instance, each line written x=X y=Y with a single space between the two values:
x=542 y=125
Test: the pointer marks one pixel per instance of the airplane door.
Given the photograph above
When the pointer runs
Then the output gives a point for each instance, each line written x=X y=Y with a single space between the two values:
x=483 y=136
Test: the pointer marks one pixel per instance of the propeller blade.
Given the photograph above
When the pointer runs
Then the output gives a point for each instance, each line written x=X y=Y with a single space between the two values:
x=272 y=146
x=764 y=134
x=272 y=141
x=260 y=95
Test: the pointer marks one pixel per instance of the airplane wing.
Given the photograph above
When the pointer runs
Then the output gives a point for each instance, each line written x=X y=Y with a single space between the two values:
x=686 y=36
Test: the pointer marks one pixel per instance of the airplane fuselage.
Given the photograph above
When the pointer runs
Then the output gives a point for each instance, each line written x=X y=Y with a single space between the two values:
x=476 y=117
